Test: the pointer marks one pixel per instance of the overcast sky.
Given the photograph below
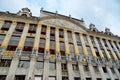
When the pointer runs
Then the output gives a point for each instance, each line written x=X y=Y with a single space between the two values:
x=103 y=13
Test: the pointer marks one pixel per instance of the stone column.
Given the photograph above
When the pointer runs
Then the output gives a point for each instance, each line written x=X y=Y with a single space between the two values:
x=46 y=55
x=67 y=50
x=108 y=56
x=110 y=73
x=37 y=38
x=13 y=68
x=116 y=49
x=57 y=42
x=30 y=74
x=92 y=72
x=99 y=50
x=47 y=45
x=70 y=70
x=8 y=35
x=75 y=44
x=101 y=72
x=23 y=36
x=46 y=70
x=81 y=70
x=117 y=73
x=114 y=55
x=58 y=70
x=1 y=23
x=91 y=46
x=83 y=45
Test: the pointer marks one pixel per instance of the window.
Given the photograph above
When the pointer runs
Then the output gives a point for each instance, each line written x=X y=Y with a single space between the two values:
x=32 y=28
x=95 y=68
x=92 y=40
x=52 y=65
x=5 y=63
x=97 y=52
x=52 y=78
x=52 y=32
x=105 y=43
x=41 y=45
x=119 y=70
x=1 y=38
x=2 y=77
x=99 y=79
x=61 y=34
x=19 y=77
x=88 y=78
x=64 y=66
x=65 y=78
x=112 y=70
x=104 y=69
x=108 y=79
x=52 y=47
x=62 y=48
x=20 y=27
x=6 y=25
x=38 y=77
x=39 y=64
x=77 y=38
x=43 y=30
x=24 y=64
x=85 y=38
x=69 y=35
x=86 y=68
x=76 y=78
x=75 y=67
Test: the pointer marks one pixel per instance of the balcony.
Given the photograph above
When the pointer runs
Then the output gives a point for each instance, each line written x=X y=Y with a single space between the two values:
x=26 y=53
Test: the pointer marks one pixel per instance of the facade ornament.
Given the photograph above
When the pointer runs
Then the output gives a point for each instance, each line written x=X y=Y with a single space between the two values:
x=92 y=27
x=25 y=11
x=108 y=32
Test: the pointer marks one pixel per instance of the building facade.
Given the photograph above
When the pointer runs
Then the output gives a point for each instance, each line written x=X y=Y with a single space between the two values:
x=55 y=47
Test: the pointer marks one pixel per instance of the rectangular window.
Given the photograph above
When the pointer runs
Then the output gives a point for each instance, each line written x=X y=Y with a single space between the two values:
x=52 y=65
x=65 y=78
x=38 y=77
x=32 y=28
x=99 y=79
x=88 y=78
x=5 y=63
x=52 y=78
x=19 y=77
x=95 y=68
x=43 y=30
x=76 y=78
x=39 y=64
x=24 y=64
x=112 y=70
x=119 y=70
x=72 y=52
x=75 y=67
x=92 y=40
x=64 y=66
x=69 y=34
x=86 y=68
x=2 y=77
x=6 y=25
x=1 y=38
x=19 y=27
x=104 y=69
x=61 y=34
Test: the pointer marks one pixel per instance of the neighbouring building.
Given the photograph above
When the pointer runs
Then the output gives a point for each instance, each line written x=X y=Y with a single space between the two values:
x=55 y=47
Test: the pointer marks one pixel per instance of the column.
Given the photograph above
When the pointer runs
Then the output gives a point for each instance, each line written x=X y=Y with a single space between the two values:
x=1 y=23
x=108 y=56
x=75 y=44
x=58 y=70
x=101 y=72
x=47 y=45
x=117 y=73
x=96 y=42
x=91 y=46
x=70 y=70
x=92 y=72
x=67 y=51
x=8 y=35
x=13 y=68
x=83 y=45
x=23 y=36
x=37 y=38
x=46 y=70
x=116 y=49
x=30 y=74
x=57 y=42
x=110 y=73
x=81 y=70
x=115 y=57
x=46 y=60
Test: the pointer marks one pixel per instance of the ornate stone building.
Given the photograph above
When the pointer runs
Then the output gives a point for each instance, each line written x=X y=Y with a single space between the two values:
x=55 y=47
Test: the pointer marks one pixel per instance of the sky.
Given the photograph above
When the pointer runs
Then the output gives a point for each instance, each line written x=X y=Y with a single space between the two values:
x=102 y=13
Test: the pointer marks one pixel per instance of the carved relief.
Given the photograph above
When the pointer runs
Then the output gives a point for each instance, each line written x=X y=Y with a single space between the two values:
x=63 y=24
